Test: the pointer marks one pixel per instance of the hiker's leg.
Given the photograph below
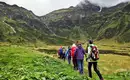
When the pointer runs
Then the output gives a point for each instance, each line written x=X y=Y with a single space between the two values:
x=61 y=55
x=96 y=70
x=89 y=69
x=73 y=62
x=64 y=57
x=82 y=63
x=79 y=65
x=69 y=60
x=76 y=64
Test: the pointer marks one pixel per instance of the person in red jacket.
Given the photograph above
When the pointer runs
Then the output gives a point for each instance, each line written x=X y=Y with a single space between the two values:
x=73 y=49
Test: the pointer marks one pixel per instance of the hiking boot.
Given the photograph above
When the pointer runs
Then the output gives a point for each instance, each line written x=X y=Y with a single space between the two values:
x=102 y=79
x=75 y=68
x=81 y=73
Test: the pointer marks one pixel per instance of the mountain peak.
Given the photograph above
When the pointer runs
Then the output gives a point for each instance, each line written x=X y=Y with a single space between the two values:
x=2 y=2
x=88 y=6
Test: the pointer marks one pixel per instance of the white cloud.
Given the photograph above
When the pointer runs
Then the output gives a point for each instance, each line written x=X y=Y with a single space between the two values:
x=107 y=3
x=42 y=7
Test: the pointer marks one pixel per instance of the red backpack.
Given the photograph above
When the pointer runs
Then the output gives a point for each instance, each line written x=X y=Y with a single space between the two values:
x=94 y=53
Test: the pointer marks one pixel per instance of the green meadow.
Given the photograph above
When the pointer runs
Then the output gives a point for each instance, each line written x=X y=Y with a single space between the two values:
x=28 y=63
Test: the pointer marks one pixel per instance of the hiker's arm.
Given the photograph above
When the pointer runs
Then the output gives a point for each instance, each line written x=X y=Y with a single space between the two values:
x=86 y=50
x=66 y=53
x=75 y=53
x=58 y=52
x=84 y=53
x=89 y=52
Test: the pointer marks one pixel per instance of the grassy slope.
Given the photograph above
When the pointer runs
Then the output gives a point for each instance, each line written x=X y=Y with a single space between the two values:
x=23 y=63
x=20 y=63
x=113 y=67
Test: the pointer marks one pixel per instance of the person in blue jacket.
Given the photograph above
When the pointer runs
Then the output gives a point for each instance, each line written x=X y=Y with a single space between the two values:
x=60 y=52
x=68 y=55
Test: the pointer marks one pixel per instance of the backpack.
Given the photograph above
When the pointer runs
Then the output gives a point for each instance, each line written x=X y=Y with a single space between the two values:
x=60 y=51
x=69 y=53
x=73 y=49
x=94 y=53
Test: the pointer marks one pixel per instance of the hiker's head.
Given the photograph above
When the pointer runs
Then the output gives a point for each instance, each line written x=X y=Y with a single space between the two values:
x=63 y=47
x=90 y=41
x=60 y=46
x=73 y=45
x=79 y=45
x=77 y=42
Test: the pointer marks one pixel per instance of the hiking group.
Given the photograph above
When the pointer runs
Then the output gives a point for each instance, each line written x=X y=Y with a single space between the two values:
x=76 y=53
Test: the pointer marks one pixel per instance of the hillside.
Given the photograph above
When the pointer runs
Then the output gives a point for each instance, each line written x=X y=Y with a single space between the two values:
x=19 y=25
x=40 y=36
x=23 y=63
x=88 y=20
x=82 y=22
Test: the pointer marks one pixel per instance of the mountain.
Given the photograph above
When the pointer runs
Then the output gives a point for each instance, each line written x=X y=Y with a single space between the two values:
x=82 y=22
x=88 y=20
x=19 y=25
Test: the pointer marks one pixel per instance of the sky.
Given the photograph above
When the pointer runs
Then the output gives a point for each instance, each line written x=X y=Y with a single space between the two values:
x=42 y=7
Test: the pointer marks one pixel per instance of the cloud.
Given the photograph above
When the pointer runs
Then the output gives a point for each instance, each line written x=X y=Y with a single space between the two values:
x=39 y=7
x=42 y=7
x=107 y=3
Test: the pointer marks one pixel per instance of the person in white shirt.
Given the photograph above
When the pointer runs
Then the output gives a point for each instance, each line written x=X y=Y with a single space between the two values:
x=92 y=62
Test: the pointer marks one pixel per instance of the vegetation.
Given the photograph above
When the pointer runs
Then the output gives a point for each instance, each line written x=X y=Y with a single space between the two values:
x=111 y=23
x=24 y=63
x=18 y=25
x=21 y=31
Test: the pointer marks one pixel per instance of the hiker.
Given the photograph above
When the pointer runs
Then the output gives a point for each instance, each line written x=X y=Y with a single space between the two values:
x=60 y=52
x=68 y=55
x=92 y=59
x=73 y=49
x=80 y=52
x=63 y=55
x=77 y=42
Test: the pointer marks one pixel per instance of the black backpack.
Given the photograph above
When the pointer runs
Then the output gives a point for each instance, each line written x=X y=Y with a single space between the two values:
x=69 y=53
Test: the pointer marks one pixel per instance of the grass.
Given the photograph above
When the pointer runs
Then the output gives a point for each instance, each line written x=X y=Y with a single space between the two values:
x=110 y=63
x=25 y=63
x=62 y=11
x=111 y=44
x=21 y=63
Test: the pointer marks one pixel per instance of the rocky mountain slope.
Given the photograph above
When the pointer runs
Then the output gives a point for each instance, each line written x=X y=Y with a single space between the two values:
x=81 y=22
x=88 y=20
x=18 y=25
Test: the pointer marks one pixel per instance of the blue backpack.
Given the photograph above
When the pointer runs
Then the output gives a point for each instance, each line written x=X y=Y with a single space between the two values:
x=69 y=53
x=60 y=51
